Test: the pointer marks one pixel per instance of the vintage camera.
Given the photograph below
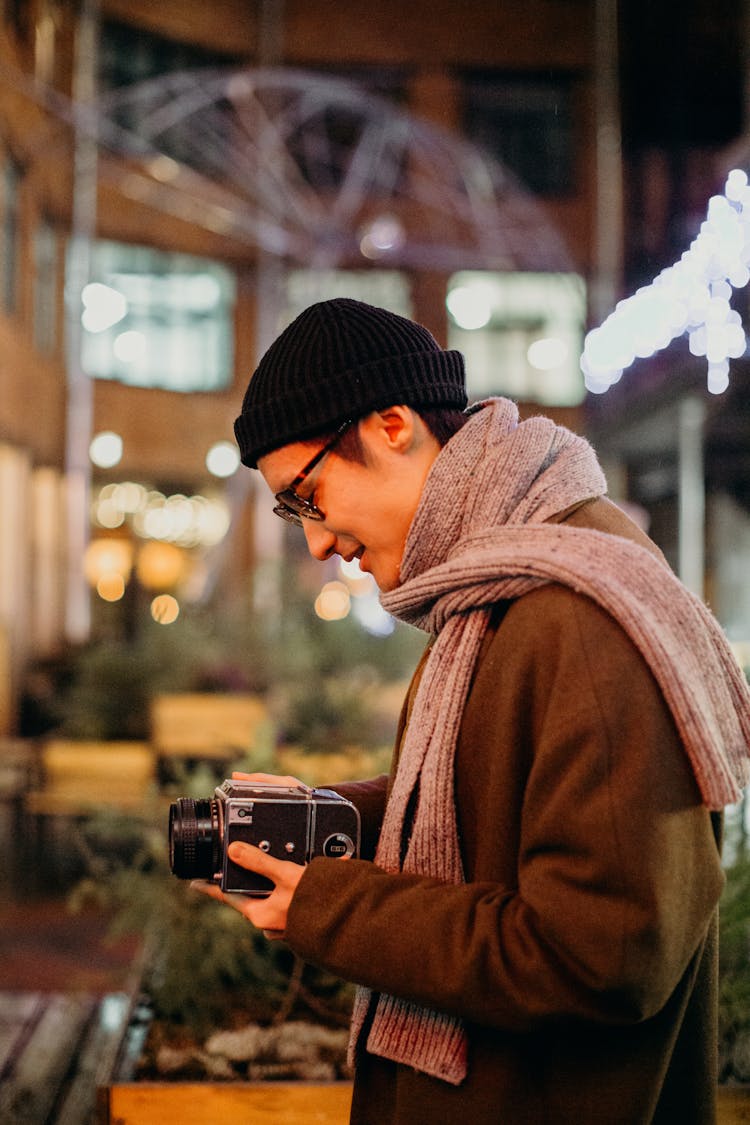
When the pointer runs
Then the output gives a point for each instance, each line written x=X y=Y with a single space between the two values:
x=292 y=823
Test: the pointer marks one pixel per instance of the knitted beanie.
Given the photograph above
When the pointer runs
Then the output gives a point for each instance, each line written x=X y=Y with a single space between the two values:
x=342 y=359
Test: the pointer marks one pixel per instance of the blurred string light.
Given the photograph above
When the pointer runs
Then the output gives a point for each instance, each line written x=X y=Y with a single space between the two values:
x=691 y=296
x=186 y=521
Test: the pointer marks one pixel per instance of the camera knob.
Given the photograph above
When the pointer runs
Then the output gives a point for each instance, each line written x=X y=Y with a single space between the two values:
x=339 y=846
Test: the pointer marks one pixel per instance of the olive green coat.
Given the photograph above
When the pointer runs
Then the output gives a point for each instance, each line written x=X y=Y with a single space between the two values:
x=581 y=951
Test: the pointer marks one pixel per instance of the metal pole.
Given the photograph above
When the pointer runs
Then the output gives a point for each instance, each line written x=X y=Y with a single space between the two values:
x=270 y=295
x=79 y=417
x=691 y=493
x=608 y=237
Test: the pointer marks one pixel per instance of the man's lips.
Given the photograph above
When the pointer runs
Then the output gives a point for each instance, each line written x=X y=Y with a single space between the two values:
x=359 y=555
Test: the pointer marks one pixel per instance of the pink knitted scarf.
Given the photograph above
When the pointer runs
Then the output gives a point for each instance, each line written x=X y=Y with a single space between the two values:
x=479 y=537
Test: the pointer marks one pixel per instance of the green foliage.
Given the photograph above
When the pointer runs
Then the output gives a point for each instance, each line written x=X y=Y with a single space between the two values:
x=323 y=714
x=111 y=682
x=734 y=956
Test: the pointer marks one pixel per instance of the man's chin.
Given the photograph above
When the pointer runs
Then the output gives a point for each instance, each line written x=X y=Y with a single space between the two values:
x=384 y=578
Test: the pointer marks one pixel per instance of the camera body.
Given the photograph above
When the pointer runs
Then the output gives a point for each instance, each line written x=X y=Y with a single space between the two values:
x=288 y=822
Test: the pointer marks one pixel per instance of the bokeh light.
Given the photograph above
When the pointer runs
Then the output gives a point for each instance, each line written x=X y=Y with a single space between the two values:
x=105 y=449
x=333 y=602
x=223 y=459
x=160 y=566
x=105 y=557
x=111 y=587
x=103 y=307
x=165 y=609
x=470 y=306
x=692 y=296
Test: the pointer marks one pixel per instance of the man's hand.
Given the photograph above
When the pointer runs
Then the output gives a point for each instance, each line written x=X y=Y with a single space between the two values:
x=267 y=914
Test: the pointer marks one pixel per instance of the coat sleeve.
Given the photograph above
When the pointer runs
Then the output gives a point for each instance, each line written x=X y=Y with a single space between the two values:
x=592 y=868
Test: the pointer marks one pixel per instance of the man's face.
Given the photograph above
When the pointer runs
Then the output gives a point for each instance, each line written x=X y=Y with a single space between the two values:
x=368 y=506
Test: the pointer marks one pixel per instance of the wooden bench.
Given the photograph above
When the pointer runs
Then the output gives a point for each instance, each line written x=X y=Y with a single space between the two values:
x=83 y=777
x=58 y=1050
x=19 y=769
x=205 y=724
x=733 y=1105
x=81 y=780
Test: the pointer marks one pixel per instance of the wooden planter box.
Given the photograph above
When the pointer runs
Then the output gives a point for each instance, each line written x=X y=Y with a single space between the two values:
x=262 y=1103
x=733 y=1105
x=294 y=1103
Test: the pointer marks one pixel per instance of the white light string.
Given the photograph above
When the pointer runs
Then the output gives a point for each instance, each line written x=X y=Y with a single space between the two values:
x=691 y=296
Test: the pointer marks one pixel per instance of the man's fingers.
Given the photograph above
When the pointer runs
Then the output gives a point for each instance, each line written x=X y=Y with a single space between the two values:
x=269 y=779
x=209 y=889
x=212 y=891
x=243 y=904
x=253 y=859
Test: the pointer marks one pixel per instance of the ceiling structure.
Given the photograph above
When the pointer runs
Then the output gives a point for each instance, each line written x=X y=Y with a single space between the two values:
x=311 y=169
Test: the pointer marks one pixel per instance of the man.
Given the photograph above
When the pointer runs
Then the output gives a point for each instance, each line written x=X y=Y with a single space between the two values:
x=532 y=923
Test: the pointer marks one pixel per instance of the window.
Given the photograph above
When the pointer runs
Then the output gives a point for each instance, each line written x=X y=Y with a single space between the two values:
x=157 y=319
x=521 y=334
x=11 y=183
x=45 y=286
x=388 y=289
x=526 y=123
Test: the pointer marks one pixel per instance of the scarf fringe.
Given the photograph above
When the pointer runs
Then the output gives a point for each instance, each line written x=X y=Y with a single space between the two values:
x=406 y=1033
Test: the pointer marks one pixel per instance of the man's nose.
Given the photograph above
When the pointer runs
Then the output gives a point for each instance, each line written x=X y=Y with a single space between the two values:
x=321 y=543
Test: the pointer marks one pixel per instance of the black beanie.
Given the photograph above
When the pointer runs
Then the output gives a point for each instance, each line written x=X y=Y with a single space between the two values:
x=342 y=359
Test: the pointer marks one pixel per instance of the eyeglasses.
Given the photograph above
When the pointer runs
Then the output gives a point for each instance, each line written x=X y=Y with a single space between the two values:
x=294 y=508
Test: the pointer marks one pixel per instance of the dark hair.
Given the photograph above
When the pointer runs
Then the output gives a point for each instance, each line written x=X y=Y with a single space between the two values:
x=442 y=422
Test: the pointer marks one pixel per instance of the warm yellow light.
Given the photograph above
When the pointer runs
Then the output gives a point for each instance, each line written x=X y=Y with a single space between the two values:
x=111 y=587
x=105 y=557
x=333 y=602
x=160 y=565
x=165 y=609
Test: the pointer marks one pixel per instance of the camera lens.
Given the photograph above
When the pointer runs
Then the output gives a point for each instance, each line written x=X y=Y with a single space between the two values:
x=194 y=838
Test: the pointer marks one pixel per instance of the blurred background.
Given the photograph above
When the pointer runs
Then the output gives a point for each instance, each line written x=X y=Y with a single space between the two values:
x=177 y=182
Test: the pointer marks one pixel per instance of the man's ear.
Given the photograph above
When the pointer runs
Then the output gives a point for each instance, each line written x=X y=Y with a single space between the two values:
x=396 y=426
